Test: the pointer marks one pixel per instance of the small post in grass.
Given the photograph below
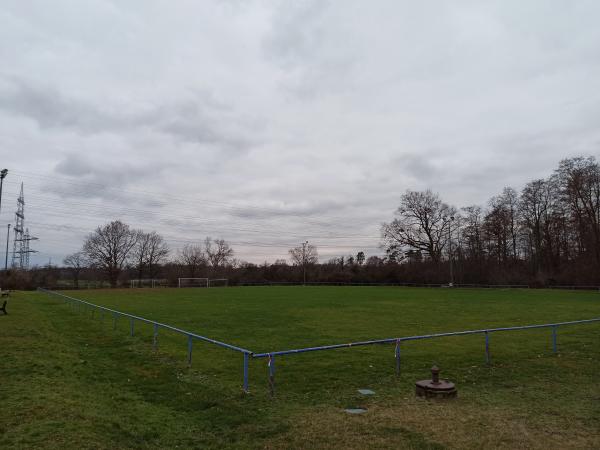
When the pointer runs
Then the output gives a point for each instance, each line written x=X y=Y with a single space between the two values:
x=246 y=390
x=271 y=365
x=114 y=321
x=132 y=322
x=190 y=346
x=554 y=345
x=397 y=354
x=155 y=337
x=487 y=348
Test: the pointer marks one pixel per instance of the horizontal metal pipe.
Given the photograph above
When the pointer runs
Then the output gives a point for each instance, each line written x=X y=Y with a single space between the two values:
x=415 y=338
x=162 y=325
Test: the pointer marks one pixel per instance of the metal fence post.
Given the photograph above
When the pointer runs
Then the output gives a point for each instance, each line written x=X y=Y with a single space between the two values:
x=132 y=322
x=155 y=337
x=271 y=365
x=397 y=354
x=246 y=390
x=554 y=346
x=114 y=321
x=190 y=344
x=487 y=347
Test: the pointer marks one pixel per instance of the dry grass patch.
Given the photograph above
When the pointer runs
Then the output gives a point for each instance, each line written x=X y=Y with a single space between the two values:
x=423 y=424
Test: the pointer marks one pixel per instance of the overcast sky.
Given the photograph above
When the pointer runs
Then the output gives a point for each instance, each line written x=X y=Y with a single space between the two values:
x=268 y=123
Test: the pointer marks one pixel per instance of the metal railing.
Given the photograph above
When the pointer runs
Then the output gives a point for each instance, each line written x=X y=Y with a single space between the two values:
x=397 y=341
x=247 y=354
x=157 y=325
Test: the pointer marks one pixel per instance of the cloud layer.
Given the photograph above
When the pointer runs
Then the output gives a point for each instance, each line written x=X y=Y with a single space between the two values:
x=270 y=122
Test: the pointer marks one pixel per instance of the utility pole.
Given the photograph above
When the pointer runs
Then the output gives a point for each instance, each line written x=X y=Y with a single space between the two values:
x=3 y=173
x=6 y=256
x=304 y=244
x=450 y=250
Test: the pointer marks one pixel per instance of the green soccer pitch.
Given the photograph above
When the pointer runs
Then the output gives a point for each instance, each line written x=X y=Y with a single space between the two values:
x=68 y=380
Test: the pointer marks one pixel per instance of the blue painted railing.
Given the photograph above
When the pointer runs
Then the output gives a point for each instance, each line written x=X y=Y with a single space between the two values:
x=271 y=355
x=157 y=325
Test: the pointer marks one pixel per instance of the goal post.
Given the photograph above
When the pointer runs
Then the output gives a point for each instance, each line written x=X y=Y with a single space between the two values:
x=218 y=282
x=192 y=282
x=147 y=282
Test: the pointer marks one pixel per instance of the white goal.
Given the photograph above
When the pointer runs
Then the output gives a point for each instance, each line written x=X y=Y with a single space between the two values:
x=192 y=282
x=218 y=282
x=147 y=283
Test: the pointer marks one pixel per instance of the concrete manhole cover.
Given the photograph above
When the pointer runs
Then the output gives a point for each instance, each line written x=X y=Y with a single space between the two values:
x=355 y=410
x=366 y=392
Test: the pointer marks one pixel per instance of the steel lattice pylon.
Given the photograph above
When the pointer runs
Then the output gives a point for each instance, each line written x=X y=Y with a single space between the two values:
x=21 y=250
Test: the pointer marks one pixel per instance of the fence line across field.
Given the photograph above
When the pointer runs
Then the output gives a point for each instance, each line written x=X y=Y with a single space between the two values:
x=349 y=283
x=270 y=356
x=398 y=341
x=157 y=325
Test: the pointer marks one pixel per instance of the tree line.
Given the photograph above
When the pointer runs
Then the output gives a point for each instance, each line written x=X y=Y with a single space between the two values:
x=548 y=233
x=116 y=248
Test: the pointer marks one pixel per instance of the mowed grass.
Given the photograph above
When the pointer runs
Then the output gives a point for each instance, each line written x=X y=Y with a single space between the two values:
x=68 y=380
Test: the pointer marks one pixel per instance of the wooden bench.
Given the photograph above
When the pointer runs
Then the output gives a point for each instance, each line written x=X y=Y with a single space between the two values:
x=3 y=309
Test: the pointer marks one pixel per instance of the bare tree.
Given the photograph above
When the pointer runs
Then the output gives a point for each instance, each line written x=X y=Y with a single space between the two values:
x=218 y=252
x=149 y=251
x=579 y=180
x=108 y=248
x=192 y=257
x=76 y=262
x=472 y=231
x=423 y=224
x=304 y=255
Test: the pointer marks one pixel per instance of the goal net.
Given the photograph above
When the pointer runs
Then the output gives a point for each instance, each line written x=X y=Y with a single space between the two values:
x=217 y=282
x=148 y=283
x=192 y=282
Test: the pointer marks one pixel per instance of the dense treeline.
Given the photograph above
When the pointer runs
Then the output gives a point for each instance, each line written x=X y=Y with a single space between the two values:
x=549 y=233
x=546 y=234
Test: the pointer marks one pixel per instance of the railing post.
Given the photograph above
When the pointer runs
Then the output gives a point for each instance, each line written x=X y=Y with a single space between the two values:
x=114 y=321
x=132 y=322
x=487 y=348
x=397 y=354
x=554 y=346
x=155 y=337
x=271 y=365
x=190 y=346
x=246 y=390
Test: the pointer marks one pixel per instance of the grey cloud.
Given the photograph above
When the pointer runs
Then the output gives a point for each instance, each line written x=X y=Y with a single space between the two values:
x=310 y=118
x=199 y=119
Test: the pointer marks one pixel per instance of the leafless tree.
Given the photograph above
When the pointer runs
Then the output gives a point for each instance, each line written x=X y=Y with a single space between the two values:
x=109 y=247
x=579 y=180
x=149 y=251
x=472 y=231
x=423 y=223
x=304 y=255
x=218 y=252
x=76 y=262
x=192 y=257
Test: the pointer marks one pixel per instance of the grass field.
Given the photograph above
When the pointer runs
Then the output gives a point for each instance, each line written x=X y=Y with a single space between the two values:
x=70 y=381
